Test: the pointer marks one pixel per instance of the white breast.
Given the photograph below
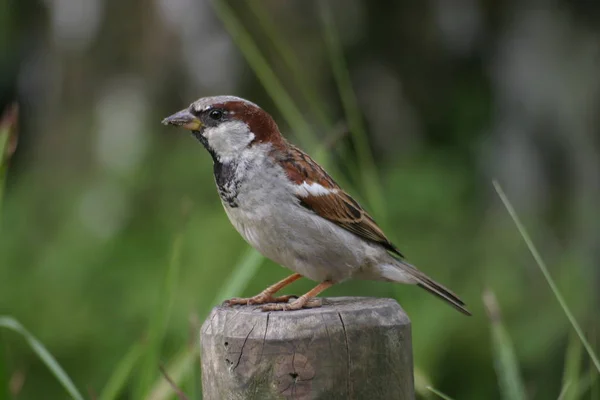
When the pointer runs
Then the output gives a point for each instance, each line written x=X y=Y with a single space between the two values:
x=271 y=219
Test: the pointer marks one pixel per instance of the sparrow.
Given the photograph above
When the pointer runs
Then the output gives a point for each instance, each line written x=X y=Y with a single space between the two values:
x=288 y=208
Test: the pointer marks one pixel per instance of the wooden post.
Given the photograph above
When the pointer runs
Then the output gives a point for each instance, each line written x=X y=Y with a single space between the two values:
x=351 y=348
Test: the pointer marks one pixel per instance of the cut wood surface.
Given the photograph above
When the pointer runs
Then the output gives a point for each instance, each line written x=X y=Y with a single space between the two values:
x=351 y=348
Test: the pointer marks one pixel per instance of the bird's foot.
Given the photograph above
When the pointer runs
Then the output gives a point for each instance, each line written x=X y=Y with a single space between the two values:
x=301 y=302
x=261 y=298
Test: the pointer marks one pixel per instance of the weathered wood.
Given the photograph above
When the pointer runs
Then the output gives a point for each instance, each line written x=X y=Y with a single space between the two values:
x=351 y=348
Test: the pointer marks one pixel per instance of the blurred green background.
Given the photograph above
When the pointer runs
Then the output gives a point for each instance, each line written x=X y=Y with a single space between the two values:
x=113 y=242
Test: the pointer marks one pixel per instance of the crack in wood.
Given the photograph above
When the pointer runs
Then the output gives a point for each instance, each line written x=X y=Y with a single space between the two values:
x=242 y=349
x=262 y=349
x=348 y=382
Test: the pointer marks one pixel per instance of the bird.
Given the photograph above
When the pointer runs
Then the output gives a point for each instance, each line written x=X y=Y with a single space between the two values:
x=290 y=209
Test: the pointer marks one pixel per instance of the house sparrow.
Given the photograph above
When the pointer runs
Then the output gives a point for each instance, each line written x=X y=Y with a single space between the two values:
x=289 y=209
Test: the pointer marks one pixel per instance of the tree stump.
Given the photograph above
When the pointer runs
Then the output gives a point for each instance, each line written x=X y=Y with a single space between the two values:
x=351 y=348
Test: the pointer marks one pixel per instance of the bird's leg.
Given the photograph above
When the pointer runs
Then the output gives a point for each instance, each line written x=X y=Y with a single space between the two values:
x=266 y=296
x=307 y=300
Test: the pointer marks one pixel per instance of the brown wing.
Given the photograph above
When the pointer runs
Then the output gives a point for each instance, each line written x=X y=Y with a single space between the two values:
x=334 y=205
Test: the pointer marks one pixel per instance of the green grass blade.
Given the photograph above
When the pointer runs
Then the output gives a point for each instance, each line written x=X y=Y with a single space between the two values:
x=117 y=381
x=542 y=265
x=150 y=364
x=572 y=369
x=564 y=390
x=317 y=107
x=507 y=366
x=583 y=385
x=438 y=393
x=178 y=370
x=369 y=179
x=195 y=392
x=281 y=98
x=422 y=383
x=239 y=277
x=592 y=379
x=593 y=375
x=4 y=374
x=265 y=73
x=186 y=364
x=8 y=142
x=43 y=354
x=192 y=384
x=183 y=365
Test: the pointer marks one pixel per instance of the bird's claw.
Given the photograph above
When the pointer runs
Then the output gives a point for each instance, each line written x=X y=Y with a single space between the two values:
x=294 y=305
x=259 y=299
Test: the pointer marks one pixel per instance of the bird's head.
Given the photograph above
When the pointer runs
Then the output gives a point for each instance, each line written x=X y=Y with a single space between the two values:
x=227 y=126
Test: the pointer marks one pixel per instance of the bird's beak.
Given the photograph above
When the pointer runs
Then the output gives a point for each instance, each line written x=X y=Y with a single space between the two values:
x=184 y=119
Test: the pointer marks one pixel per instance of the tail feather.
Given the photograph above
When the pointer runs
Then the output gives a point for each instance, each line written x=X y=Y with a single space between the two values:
x=443 y=293
x=406 y=273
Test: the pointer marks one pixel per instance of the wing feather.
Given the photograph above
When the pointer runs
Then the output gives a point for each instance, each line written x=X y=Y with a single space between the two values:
x=318 y=192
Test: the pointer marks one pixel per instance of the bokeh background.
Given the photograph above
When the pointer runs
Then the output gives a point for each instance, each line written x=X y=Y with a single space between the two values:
x=114 y=245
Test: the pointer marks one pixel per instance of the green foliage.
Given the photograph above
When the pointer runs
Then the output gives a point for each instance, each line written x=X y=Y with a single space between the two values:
x=438 y=393
x=241 y=274
x=315 y=102
x=184 y=368
x=4 y=374
x=505 y=360
x=8 y=143
x=179 y=370
x=265 y=73
x=366 y=164
x=117 y=382
x=44 y=355
x=542 y=265
x=158 y=325
x=572 y=370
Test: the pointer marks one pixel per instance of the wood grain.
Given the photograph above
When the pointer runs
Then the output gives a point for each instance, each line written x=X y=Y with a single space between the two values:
x=351 y=348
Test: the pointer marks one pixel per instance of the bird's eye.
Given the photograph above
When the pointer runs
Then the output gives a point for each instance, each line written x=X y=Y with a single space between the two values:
x=216 y=114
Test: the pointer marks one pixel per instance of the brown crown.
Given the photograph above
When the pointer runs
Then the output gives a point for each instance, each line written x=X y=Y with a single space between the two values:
x=261 y=124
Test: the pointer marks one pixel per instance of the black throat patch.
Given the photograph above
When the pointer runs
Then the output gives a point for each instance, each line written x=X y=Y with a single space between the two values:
x=227 y=182
x=225 y=174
